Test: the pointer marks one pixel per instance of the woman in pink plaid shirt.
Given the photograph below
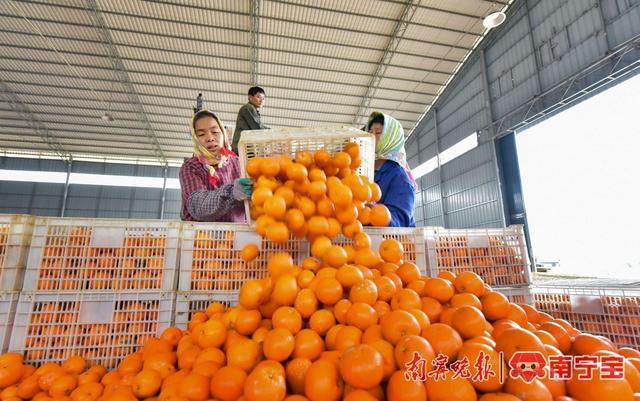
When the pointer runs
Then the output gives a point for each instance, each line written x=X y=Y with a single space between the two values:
x=212 y=189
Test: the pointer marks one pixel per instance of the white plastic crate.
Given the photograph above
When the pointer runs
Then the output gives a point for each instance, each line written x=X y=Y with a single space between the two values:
x=412 y=239
x=15 y=236
x=101 y=327
x=266 y=143
x=517 y=295
x=610 y=312
x=211 y=262
x=71 y=254
x=188 y=303
x=275 y=142
x=8 y=303
x=498 y=255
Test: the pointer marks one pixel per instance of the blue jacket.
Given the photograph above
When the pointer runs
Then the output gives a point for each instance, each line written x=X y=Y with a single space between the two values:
x=398 y=193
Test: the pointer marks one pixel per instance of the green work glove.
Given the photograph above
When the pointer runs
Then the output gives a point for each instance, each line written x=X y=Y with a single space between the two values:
x=242 y=188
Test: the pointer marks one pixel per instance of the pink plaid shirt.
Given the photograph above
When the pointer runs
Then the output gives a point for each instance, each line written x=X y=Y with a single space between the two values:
x=194 y=177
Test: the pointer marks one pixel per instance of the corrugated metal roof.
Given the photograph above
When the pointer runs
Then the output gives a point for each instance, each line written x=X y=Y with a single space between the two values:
x=316 y=60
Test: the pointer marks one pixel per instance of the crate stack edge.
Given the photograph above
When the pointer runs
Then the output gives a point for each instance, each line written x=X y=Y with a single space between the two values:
x=15 y=239
x=96 y=287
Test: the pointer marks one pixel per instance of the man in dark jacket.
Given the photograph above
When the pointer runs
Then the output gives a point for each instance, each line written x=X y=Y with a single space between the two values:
x=249 y=115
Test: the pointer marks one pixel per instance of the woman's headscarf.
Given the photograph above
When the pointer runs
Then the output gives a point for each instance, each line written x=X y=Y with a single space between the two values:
x=206 y=158
x=390 y=144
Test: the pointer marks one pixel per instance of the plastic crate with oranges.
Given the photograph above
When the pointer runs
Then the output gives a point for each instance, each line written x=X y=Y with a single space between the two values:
x=298 y=141
x=211 y=260
x=610 y=312
x=15 y=236
x=102 y=254
x=517 y=295
x=498 y=255
x=412 y=240
x=188 y=303
x=101 y=327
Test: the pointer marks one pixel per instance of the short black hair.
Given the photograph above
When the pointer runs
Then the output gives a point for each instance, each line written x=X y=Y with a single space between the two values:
x=202 y=114
x=254 y=90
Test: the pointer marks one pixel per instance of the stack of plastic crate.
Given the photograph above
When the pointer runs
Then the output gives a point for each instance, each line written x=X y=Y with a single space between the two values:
x=498 y=255
x=15 y=236
x=212 y=268
x=95 y=287
x=600 y=309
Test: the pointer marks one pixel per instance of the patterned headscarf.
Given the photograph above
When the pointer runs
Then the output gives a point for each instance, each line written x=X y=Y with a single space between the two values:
x=390 y=144
x=206 y=158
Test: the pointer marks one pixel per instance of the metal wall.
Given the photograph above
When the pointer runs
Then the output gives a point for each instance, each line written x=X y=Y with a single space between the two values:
x=45 y=199
x=547 y=56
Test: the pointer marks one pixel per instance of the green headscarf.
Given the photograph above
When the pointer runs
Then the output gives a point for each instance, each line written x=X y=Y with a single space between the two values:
x=390 y=144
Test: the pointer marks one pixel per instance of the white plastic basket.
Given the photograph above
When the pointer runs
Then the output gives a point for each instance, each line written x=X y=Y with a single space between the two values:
x=71 y=254
x=610 y=312
x=101 y=327
x=517 y=295
x=412 y=240
x=210 y=260
x=8 y=303
x=15 y=236
x=498 y=255
x=265 y=143
x=187 y=303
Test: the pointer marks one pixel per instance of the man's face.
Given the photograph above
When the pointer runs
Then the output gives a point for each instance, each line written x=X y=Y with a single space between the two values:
x=376 y=129
x=257 y=100
x=209 y=134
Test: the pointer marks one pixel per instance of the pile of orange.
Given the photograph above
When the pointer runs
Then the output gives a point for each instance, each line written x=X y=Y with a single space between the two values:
x=54 y=328
x=69 y=262
x=314 y=195
x=498 y=263
x=342 y=325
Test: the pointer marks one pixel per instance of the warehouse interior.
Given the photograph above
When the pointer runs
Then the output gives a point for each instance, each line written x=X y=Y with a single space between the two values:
x=101 y=251
x=67 y=64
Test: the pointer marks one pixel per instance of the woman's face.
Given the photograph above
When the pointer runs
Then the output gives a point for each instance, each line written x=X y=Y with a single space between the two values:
x=210 y=134
x=376 y=129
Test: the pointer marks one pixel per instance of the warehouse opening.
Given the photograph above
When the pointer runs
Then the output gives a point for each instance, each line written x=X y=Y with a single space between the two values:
x=579 y=170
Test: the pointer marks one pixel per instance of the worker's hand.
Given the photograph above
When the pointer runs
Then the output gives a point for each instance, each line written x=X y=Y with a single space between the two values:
x=242 y=188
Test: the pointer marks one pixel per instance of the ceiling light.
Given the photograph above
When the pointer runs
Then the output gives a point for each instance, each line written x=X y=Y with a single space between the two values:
x=494 y=19
x=107 y=117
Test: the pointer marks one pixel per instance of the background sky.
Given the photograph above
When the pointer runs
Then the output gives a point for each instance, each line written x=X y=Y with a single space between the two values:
x=580 y=174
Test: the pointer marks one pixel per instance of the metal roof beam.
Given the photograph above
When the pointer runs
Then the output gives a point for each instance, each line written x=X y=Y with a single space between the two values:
x=32 y=121
x=324 y=81
x=243 y=45
x=378 y=17
x=256 y=12
x=194 y=89
x=333 y=71
x=475 y=17
x=123 y=76
x=398 y=32
x=177 y=51
x=255 y=40
x=181 y=99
